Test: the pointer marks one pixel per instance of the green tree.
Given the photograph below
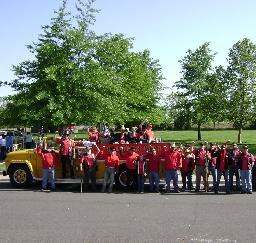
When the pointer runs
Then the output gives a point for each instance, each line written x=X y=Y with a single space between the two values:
x=80 y=77
x=241 y=73
x=193 y=88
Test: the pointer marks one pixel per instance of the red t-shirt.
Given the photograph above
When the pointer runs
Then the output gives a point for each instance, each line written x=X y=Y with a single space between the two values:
x=201 y=155
x=172 y=160
x=93 y=137
x=245 y=160
x=149 y=135
x=187 y=161
x=88 y=160
x=112 y=161
x=130 y=161
x=153 y=163
x=65 y=145
x=49 y=159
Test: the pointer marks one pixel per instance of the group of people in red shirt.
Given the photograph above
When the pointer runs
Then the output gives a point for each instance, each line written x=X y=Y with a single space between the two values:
x=108 y=135
x=206 y=160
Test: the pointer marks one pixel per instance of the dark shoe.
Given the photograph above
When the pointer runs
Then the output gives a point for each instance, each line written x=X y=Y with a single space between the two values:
x=183 y=189
x=177 y=191
x=196 y=190
x=216 y=192
x=249 y=192
x=227 y=192
x=242 y=192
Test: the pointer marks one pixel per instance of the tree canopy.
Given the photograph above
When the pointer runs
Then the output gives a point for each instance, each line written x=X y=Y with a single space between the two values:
x=77 y=76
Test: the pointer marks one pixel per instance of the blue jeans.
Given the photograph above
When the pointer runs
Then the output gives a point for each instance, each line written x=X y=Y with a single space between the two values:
x=140 y=183
x=171 y=175
x=154 y=181
x=213 y=172
x=246 y=178
x=226 y=177
x=51 y=174
x=109 y=178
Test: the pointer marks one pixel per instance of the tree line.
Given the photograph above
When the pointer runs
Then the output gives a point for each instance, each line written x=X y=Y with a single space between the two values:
x=78 y=76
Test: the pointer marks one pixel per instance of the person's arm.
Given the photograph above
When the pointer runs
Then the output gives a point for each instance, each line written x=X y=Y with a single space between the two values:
x=98 y=150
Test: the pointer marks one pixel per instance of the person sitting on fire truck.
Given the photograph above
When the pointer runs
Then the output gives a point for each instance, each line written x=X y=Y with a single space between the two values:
x=149 y=134
x=93 y=135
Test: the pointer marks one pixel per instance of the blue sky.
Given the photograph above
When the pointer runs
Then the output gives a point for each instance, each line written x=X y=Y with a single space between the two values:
x=167 y=28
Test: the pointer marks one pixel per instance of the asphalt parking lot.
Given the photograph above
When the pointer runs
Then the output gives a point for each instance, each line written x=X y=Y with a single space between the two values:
x=66 y=215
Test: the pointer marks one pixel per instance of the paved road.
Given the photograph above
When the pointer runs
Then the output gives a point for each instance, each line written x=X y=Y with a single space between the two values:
x=69 y=216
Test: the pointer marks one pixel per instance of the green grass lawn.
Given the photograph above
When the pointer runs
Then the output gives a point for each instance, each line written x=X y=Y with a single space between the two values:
x=218 y=136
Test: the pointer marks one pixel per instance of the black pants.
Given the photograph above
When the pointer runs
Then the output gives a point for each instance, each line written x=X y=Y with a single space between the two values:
x=90 y=174
x=66 y=160
x=132 y=179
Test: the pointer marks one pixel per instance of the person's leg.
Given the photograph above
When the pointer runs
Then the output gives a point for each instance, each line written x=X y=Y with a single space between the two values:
x=205 y=178
x=175 y=180
x=249 y=180
x=52 y=178
x=93 y=178
x=151 y=181
x=237 y=175
x=45 y=179
x=69 y=161
x=226 y=177
x=198 y=177
x=156 y=179
x=243 y=179
x=183 y=176
x=231 y=174
x=105 y=180
x=142 y=183
x=216 y=189
x=86 y=179
x=112 y=178
x=189 y=177
x=167 y=180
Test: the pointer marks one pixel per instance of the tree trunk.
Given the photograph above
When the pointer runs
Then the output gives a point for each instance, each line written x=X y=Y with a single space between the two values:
x=239 y=140
x=199 y=137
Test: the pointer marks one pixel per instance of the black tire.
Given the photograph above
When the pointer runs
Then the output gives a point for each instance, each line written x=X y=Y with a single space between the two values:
x=20 y=175
x=121 y=178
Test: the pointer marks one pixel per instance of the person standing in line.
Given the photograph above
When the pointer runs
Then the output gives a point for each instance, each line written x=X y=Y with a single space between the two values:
x=49 y=161
x=222 y=169
x=233 y=156
x=245 y=164
x=130 y=159
x=201 y=161
x=153 y=168
x=188 y=165
x=172 y=163
x=141 y=172
x=67 y=152
x=212 y=164
x=88 y=166
x=111 y=167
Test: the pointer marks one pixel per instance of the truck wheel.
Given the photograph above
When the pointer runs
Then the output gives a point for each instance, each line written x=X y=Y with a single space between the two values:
x=20 y=176
x=121 y=178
